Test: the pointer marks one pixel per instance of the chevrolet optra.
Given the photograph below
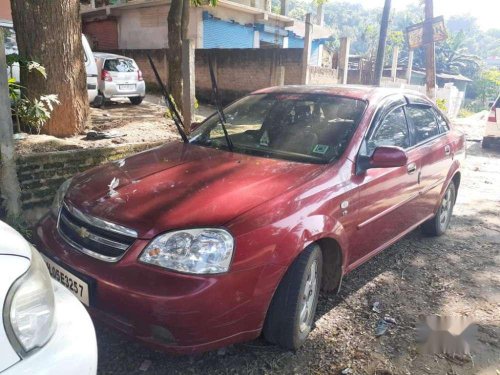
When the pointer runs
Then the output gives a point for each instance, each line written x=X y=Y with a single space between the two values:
x=197 y=245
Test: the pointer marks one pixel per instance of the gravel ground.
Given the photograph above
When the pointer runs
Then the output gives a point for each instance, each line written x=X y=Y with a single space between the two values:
x=456 y=274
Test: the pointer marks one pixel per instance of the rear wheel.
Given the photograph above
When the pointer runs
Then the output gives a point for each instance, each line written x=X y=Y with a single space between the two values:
x=291 y=314
x=439 y=223
x=486 y=143
x=136 y=100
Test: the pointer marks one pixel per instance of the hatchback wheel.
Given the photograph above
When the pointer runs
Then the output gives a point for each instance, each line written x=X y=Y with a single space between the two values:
x=291 y=314
x=136 y=100
x=439 y=223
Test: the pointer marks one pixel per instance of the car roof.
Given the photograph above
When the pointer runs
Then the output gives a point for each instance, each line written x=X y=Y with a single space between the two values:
x=105 y=55
x=370 y=93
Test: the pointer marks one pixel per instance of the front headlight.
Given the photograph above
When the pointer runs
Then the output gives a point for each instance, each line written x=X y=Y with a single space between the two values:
x=59 y=197
x=198 y=251
x=31 y=307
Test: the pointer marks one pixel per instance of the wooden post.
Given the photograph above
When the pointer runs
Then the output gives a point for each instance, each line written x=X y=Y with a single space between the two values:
x=188 y=81
x=394 y=66
x=409 y=67
x=307 y=51
x=9 y=183
x=384 y=24
x=343 y=60
x=430 y=60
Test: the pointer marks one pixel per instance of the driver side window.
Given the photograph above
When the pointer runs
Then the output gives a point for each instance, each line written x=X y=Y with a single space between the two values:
x=392 y=131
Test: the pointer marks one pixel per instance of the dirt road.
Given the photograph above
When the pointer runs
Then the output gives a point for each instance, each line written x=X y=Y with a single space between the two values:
x=456 y=274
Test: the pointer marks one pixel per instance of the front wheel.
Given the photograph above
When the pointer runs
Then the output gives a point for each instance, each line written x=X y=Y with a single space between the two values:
x=291 y=314
x=136 y=100
x=439 y=223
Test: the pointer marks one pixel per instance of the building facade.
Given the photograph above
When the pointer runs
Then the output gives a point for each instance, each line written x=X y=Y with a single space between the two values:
x=142 y=24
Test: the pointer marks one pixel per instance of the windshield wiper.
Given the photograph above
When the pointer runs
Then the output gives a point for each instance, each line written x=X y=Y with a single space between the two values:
x=170 y=105
x=218 y=105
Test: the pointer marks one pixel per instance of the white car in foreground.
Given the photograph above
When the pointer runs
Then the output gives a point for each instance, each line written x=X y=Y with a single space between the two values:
x=45 y=329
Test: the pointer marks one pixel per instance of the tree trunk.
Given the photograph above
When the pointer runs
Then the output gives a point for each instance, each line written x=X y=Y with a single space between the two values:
x=49 y=32
x=9 y=183
x=175 y=30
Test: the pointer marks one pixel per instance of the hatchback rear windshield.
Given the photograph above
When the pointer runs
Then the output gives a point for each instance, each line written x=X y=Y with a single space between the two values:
x=119 y=65
x=313 y=128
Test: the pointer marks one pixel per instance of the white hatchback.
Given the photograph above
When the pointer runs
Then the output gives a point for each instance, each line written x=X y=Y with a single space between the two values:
x=119 y=77
x=45 y=330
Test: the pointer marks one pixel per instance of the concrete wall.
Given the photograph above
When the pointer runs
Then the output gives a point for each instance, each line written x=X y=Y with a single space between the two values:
x=102 y=35
x=322 y=76
x=143 y=28
x=239 y=71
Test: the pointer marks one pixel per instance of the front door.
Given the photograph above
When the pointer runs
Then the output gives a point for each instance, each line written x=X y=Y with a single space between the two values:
x=385 y=194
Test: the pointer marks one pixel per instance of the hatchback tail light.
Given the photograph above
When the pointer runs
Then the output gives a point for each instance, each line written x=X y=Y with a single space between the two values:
x=105 y=76
x=139 y=75
x=492 y=117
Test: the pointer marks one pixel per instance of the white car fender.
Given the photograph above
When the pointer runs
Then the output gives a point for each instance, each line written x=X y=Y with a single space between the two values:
x=11 y=268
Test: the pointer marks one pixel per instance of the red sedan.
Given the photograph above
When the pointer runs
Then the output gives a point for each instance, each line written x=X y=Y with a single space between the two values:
x=197 y=245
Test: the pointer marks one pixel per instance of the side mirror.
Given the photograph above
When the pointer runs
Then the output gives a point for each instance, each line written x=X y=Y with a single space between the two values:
x=383 y=157
x=194 y=125
x=388 y=157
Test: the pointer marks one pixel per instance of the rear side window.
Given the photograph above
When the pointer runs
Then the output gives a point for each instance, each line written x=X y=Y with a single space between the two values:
x=392 y=131
x=119 y=65
x=443 y=125
x=424 y=122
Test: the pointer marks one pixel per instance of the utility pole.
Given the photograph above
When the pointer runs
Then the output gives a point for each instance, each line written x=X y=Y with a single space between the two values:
x=430 y=59
x=384 y=24
x=9 y=183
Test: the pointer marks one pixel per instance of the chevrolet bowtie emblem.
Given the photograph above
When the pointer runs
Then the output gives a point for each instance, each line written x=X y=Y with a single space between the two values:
x=84 y=233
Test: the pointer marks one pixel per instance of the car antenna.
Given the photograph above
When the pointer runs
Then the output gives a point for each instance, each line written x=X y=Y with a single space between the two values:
x=218 y=105
x=170 y=104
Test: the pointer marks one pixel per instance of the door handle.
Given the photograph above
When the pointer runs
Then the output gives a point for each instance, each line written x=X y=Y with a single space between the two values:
x=447 y=150
x=411 y=168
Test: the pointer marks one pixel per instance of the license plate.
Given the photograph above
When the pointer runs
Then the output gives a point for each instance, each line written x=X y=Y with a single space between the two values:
x=71 y=282
x=127 y=87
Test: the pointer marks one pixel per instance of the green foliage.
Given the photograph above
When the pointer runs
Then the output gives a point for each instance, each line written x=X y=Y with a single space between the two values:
x=441 y=104
x=452 y=56
x=19 y=224
x=487 y=87
x=32 y=113
x=35 y=113
x=464 y=113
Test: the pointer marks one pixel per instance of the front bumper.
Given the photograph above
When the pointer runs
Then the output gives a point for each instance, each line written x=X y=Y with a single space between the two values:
x=73 y=347
x=175 y=312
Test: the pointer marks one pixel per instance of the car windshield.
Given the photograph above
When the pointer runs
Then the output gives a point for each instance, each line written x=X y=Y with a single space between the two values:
x=119 y=65
x=314 y=128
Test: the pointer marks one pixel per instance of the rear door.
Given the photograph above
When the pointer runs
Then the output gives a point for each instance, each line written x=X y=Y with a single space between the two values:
x=431 y=139
x=386 y=195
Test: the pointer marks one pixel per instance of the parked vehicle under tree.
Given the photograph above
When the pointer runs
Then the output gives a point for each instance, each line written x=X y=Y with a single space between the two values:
x=192 y=246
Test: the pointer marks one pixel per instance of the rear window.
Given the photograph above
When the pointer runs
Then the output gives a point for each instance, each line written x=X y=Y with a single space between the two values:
x=119 y=65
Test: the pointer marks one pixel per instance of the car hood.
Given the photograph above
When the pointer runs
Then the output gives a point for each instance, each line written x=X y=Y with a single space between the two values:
x=182 y=185
x=12 y=242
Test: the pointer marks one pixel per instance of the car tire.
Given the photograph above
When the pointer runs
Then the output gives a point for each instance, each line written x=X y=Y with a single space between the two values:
x=486 y=143
x=136 y=100
x=291 y=314
x=440 y=222
x=98 y=101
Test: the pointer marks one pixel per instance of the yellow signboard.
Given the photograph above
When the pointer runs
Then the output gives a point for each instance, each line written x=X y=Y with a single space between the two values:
x=415 y=33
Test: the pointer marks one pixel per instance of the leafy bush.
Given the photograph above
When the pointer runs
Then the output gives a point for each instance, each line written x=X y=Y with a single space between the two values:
x=31 y=113
x=441 y=103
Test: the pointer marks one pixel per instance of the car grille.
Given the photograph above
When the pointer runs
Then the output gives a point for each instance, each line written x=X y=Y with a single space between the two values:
x=93 y=236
